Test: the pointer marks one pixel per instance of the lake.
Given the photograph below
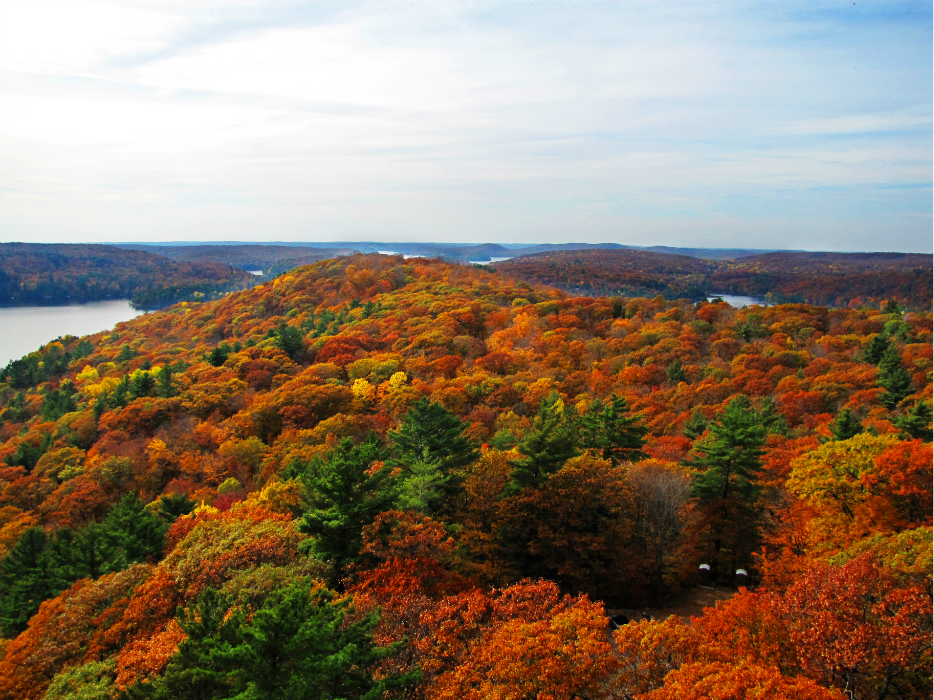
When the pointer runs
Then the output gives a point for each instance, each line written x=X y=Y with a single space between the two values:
x=24 y=329
x=738 y=302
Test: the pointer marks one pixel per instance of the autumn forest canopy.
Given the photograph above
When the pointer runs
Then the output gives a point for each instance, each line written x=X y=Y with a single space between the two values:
x=373 y=477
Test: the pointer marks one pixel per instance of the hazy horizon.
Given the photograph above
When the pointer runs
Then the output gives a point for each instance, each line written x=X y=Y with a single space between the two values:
x=708 y=124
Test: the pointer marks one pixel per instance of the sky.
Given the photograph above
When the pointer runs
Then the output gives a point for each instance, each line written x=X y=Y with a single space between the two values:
x=803 y=125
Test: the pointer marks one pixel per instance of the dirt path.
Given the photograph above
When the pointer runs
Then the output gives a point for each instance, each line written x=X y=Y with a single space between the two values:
x=691 y=602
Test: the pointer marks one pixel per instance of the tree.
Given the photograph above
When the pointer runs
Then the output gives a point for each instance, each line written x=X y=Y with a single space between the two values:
x=695 y=426
x=429 y=431
x=347 y=489
x=675 y=372
x=550 y=443
x=218 y=356
x=730 y=456
x=661 y=493
x=875 y=349
x=28 y=577
x=606 y=427
x=770 y=419
x=846 y=425
x=174 y=505
x=298 y=644
x=424 y=485
x=916 y=423
x=137 y=532
x=90 y=553
x=289 y=340
x=893 y=378
x=165 y=388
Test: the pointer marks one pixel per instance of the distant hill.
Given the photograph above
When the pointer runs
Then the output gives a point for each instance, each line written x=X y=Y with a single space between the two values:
x=53 y=274
x=246 y=257
x=456 y=252
x=829 y=279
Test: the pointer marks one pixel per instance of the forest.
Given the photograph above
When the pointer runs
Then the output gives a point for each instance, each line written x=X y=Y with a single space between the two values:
x=825 y=279
x=374 y=477
x=55 y=274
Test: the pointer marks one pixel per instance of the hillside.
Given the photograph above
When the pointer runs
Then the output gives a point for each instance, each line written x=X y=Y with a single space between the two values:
x=831 y=279
x=53 y=274
x=479 y=465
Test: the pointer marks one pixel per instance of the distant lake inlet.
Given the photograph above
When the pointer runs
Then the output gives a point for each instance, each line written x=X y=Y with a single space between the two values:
x=24 y=329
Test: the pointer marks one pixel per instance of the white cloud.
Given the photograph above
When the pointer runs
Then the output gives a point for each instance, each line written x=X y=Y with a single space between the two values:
x=462 y=119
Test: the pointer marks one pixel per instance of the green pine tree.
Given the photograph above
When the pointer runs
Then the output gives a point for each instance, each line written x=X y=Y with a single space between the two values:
x=550 y=443
x=730 y=456
x=172 y=506
x=770 y=419
x=893 y=378
x=289 y=339
x=138 y=533
x=875 y=349
x=846 y=425
x=430 y=431
x=695 y=426
x=423 y=487
x=916 y=423
x=675 y=372
x=297 y=645
x=28 y=576
x=165 y=389
x=345 y=497
x=606 y=427
x=90 y=553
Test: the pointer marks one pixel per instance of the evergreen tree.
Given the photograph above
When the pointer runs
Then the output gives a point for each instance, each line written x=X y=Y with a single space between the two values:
x=916 y=424
x=126 y=353
x=550 y=443
x=846 y=425
x=893 y=378
x=695 y=426
x=429 y=431
x=730 y=455
x=28 y=577
x=770 y=419
x=218 y=356
x=138 y=533
x=298 y=645
x=165 y=389
x=289 y=339
x=121 y=394
x=346 y=495
x=172 y=506
x=142 y=384
x=424 y=485
x=606 y=427
x=675 y=372
x=90 y=553
x=876 y=348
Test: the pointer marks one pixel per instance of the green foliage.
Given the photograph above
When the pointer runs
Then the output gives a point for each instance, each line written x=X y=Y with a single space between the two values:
x=875 y=349
x=893 y=378
x=429 y=431
x=846 y=425
x=770 y=419
x=27 y=453
x=142 y=383
x=289 y=340
x=90 y=553
x=91 y=681
x=695 y=426
x=675 y=372
x=58 y=402
x=606 y=427
x=15 y=411
x=729 y=457
x=916 y=423
x=346 y=494
x=175 y=505
x=126 y=353
x=298 y=644
x=550 y=443
x=28 y=577
x=423 y=485
x=164 y=388
x=218 y=356
x=138 y=533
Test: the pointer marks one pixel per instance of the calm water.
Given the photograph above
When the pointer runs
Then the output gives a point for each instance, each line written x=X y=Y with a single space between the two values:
x=24 y=329
x=738 y=302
